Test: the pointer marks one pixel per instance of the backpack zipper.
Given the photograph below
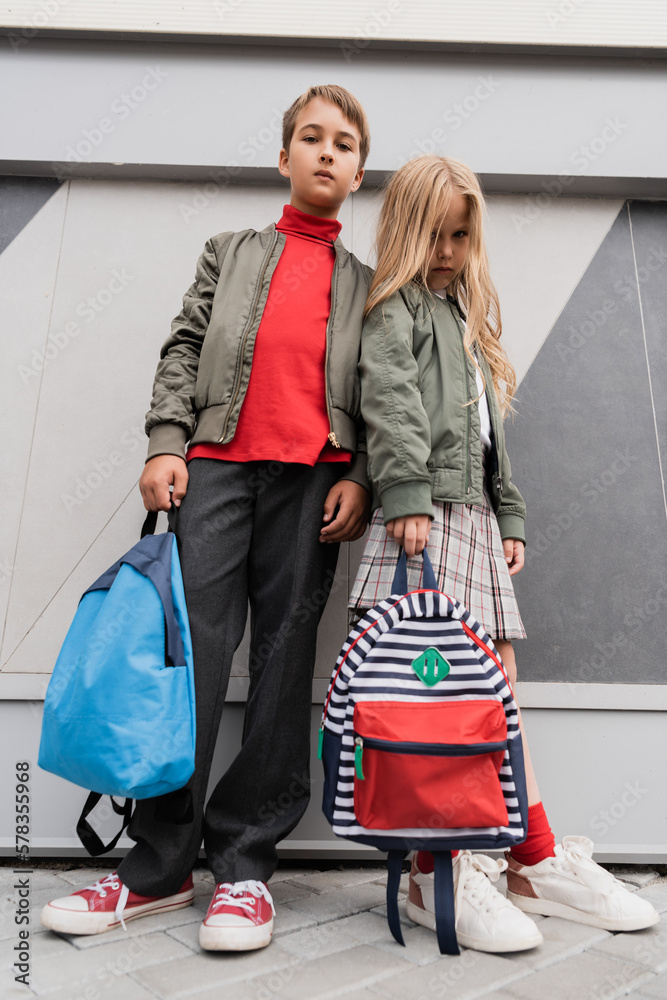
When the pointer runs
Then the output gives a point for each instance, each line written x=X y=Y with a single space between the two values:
x=420 y=749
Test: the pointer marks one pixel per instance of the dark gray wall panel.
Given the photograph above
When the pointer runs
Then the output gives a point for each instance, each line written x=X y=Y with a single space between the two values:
x=20 y=199
x=649 y=232
x=583 y=446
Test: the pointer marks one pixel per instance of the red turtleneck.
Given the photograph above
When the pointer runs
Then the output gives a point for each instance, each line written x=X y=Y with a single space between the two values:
x=284 y=415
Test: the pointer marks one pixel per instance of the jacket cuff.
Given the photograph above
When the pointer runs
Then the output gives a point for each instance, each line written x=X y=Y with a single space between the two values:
x=406 y=500
x=166 y=439
x=357 y=471
x=512 y=526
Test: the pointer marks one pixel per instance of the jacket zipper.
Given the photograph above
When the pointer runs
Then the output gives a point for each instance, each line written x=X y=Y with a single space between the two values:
x=467 y=478
x=331 y=436
x=420 y=749
x=244 y=338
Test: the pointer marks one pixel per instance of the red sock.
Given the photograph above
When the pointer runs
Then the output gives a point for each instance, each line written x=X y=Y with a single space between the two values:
x=540 y=842
x=425 y=861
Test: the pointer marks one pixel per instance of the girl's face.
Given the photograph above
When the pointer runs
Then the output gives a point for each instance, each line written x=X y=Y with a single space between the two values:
x=449 y=245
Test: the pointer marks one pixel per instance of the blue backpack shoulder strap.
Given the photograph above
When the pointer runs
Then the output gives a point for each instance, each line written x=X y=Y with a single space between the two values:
x=395 y=861
x=445 y=917
x=400 y=584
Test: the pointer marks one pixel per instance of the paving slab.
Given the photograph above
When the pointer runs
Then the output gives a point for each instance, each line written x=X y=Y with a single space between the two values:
x=118 y=987
x=562 y=939
x=656 y=893
x=39 y=879
x=647 y=947
x=41 y=949
x=283 y=892
x=636 y=878
x=331 y=976
x=656 y=987
x=187 y=934
x=457 y=977
x=283 y=874
x=402 y=912
x=136 y=928
x=211 y=970
x=106 y=962
x=319 y=882
x=80 y=878
x=589 y=975
x=404 y=884
x=337 y=935
x=339 y=902
x=421 y=944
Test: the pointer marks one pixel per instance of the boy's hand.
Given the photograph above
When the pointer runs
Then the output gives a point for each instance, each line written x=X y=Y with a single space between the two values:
x=159 y=474
x=410 y=532
x=354 y=505
x=514 y=554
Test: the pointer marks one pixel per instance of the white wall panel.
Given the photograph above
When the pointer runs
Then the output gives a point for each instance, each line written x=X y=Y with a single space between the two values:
x=28 y=274
x=88 y=107
x=610 y=790
x=543 y=22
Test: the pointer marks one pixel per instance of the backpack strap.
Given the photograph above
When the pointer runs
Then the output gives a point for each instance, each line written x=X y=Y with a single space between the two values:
x=400 y=584
x=395 y=861
x=445 y=917
x=90 y=840
x=150 y=524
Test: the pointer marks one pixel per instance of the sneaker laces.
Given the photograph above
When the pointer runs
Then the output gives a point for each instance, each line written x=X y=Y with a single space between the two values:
x=475 y=872
x=242 y=894
x=576 y=855
x=113 y=883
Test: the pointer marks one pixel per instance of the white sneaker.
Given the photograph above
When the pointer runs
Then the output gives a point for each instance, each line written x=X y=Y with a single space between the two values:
x=239 y=918
x=485 y=919
x=573 y=886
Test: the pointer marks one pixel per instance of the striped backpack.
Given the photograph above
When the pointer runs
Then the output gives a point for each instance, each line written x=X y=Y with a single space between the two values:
x=420 y=740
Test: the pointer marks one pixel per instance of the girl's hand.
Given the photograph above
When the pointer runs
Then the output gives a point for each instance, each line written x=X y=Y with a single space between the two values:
x=410 y=532
x=514 y=550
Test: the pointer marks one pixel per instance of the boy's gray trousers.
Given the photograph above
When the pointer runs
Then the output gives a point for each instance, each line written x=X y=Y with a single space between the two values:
x=246 y=532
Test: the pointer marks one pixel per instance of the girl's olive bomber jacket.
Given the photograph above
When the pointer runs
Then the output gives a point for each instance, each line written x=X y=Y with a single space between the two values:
x=202 y=377
x=423 y=441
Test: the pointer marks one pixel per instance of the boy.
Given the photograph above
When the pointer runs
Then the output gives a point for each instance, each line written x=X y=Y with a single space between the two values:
x=260 y=376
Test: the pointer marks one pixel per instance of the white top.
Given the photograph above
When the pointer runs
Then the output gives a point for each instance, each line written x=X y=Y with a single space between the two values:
x=482 y=403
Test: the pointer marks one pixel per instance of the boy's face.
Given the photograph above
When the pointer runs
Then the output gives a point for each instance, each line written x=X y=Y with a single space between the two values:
x=323 y=159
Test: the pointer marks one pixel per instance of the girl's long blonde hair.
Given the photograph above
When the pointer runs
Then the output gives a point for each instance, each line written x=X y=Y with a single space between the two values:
x=417 y=198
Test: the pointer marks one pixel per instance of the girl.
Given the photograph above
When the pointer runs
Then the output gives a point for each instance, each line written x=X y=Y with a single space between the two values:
x=435 y=385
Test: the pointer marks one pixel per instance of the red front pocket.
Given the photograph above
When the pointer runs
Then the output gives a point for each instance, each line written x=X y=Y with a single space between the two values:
x=429 y=766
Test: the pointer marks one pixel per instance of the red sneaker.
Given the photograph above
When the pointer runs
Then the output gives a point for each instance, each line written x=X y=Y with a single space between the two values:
x=108 y=904
x=240 y=917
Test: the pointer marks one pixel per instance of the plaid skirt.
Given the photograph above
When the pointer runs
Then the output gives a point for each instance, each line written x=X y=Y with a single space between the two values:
x=466 y=551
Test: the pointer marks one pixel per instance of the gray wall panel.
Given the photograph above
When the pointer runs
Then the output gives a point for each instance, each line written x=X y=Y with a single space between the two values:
x=593 y=594
x=649 y=233
x=20 y=199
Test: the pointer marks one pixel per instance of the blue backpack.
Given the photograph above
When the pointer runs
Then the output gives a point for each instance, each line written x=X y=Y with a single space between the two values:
x=119 y=712
x=420 y=740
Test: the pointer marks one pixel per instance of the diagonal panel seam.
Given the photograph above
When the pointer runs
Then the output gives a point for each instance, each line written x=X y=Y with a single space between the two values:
x=73 y=569
x=34 y=424
x=648 y=366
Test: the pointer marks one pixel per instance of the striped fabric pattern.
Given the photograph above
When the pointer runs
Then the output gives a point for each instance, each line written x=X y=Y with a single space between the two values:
x=375 y=665
x=467 y=555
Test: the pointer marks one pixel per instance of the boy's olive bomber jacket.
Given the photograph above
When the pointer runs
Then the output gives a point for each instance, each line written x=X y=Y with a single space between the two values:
x=203 y=374
x=423 y=441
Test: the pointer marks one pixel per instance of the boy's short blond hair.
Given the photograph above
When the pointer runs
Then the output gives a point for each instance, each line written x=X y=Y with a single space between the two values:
x=344 y=100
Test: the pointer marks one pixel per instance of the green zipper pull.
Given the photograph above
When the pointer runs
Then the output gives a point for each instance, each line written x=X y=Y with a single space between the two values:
x=358 y=754
x=320 y=741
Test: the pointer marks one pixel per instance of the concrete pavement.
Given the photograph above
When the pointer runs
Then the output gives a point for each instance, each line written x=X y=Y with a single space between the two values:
x=331 y=940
